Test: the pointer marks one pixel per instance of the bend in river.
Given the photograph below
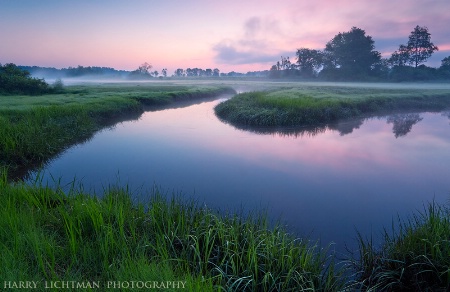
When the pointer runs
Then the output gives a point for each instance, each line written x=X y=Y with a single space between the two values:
x=322 y=182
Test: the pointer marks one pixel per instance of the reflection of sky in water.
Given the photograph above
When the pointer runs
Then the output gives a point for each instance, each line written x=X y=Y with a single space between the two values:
x=324 y=185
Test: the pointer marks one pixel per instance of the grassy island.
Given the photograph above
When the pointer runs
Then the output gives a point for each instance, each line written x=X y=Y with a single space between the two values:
x=317 y=105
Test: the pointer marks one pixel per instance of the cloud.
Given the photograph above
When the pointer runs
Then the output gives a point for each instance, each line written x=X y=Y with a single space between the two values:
x=257 y=44
x=230 y=54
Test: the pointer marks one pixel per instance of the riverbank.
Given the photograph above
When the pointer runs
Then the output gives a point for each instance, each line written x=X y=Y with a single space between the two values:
x=318 y=105
x=48 y=236
x=37 y=128
x=52 y=236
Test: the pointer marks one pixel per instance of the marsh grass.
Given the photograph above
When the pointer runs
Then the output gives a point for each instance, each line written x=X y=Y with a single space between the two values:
x=46 y=234
x=415 y=256
x=325 y=104
x=34 y=129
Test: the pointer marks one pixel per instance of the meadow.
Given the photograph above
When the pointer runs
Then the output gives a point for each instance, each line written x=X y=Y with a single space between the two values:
x=50 y=234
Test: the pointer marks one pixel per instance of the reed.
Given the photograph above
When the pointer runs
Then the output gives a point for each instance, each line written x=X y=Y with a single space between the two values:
x=415 y=255
x=47 y=234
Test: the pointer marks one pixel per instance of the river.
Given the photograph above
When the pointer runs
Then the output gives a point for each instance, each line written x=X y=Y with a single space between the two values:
x=323 y=183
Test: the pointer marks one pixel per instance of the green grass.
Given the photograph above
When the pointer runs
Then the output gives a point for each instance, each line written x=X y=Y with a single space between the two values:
x=34 y=129
x=48 y=235
x=415 y=258
x=314 y=105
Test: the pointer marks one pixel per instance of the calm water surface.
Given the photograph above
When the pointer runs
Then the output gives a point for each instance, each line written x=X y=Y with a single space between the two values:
x=323 y=183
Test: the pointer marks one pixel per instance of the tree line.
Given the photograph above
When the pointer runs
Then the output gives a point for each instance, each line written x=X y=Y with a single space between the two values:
x=352 y=56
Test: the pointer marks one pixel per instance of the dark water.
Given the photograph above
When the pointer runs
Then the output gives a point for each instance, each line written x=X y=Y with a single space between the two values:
x=323 y=183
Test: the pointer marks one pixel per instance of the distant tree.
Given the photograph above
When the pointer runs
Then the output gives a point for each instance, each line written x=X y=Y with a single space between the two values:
x=444 y=70
x=352 y=53
x=445 y=62
x=400 y=57
x=179 y=72
x=285 y=63
x=143 y=71
x=381 y=69
x=309 y=61
x=216 y=72
x=275 y=71
x=145 y=68
x=155 y=73
x=208 y=72
x=164 y=72
x=58 y=86
x=420 y=47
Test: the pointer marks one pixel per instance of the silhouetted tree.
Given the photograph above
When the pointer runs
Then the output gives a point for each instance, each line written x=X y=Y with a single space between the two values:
x=420 y=47
x=208 y=72
x=400 y=57
x=216 y=72
x=444 y=70
x=179 y=72
x=309 y=61
x=164 y=72
x=351 y=53
x=145 y=68
x=445 y=62
x=143 y=71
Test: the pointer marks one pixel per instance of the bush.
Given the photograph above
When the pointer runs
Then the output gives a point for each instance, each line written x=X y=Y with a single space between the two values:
x=16 y=81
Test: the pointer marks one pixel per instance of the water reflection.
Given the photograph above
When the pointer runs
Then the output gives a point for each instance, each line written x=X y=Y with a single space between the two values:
x=402 y=123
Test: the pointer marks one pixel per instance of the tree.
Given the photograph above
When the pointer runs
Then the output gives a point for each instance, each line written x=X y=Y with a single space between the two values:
x=400 y=57
x=179 y=72
x=352 y=53
x=143 y=71
x=208 y=72
x=164 y=72
x=420 y=47
x=13 y=80
x=445 y=62
x=145 y=68
x=309 y=61
x=216 y=72
x=444 y=70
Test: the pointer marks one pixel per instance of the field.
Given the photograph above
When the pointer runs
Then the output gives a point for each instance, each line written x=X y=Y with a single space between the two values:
x=49 y=235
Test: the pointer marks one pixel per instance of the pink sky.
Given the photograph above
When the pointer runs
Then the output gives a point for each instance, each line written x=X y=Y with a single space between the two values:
x=242 y=35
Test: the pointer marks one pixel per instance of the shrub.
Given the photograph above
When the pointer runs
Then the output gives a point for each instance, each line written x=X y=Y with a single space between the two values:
x=16 y=81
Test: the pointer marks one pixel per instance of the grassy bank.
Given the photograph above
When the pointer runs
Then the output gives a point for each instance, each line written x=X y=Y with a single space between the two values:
x=313 y=105
x=36 y=128
x=48 y=235
x=415 y=257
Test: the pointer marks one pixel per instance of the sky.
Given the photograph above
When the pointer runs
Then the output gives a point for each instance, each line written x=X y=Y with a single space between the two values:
x=231 y=35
